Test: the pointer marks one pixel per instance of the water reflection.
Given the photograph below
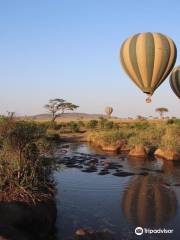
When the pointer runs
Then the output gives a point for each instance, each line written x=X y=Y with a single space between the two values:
x=116 y=203
x=147 y=201
x=143 y=163
x=172 y=170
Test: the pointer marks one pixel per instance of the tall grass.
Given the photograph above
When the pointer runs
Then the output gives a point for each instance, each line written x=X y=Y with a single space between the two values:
x=165 y=135
x=24 y=172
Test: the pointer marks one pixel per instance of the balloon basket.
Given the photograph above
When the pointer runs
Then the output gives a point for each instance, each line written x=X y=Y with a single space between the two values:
x=148 y=100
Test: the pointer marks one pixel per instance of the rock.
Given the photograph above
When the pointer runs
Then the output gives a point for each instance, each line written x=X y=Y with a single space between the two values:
x=123 y=174
x=111 y=165
x=65 y=146
x=91 y=162
x=85 y=234
x=90 y=169
x=167 y=154
x=80 y=232
x=71 y=165
x=143 y=173
x=78 y=166
x=138 y=151
x=103 y=172
x=146 y=169
x=63 y=151
x=159 y=171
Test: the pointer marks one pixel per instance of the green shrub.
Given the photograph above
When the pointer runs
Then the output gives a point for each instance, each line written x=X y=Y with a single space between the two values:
x=171 y=138
x=109 y=137
x=81 y=123
x=21 y=167
x=170 y=121
x=31 y=152
x=92 y=124
x=109 y=125
x=148 y=136
x=102 y=122
x=73 y=126
x=141 y=125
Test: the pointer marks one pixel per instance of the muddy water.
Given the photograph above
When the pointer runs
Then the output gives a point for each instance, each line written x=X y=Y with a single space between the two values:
x=142 y=192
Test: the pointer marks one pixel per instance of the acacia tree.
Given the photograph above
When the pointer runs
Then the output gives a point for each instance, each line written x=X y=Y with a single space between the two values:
x=161 y=111
x=58 y=106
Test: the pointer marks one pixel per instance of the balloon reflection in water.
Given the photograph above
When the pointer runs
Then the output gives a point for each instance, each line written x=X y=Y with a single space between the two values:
x=148 y=202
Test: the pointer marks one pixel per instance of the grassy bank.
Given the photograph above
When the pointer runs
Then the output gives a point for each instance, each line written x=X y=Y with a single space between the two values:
x=24 y=170
x=165 y=136
x=112 y=136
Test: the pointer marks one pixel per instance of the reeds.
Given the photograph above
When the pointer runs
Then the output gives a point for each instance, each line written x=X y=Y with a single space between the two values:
x=24 y=172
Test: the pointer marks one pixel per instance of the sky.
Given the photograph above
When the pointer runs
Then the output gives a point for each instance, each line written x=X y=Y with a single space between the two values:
x=70 y=49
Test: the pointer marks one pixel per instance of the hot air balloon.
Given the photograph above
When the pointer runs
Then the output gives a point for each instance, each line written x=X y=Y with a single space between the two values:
x=148 y=58
x=175 y=81
x=108 y=111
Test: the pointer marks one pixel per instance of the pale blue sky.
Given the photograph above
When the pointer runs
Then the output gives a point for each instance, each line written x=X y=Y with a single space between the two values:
x=70 y=49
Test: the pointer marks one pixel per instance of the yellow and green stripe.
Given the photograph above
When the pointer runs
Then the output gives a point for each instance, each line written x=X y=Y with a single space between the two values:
x=175 y=81
x=148 y=58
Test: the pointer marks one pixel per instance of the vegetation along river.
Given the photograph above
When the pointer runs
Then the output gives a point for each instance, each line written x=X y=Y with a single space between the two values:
x=101 y=191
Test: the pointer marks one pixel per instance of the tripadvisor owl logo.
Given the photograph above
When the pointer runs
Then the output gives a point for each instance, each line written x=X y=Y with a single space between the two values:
x=139 y=231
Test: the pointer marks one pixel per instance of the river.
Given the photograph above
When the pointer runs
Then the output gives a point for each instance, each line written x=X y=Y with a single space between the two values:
x=142 y=192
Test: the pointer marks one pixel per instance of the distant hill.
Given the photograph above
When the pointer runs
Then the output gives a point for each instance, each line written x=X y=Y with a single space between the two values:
x=68 y=115
x=77 y=116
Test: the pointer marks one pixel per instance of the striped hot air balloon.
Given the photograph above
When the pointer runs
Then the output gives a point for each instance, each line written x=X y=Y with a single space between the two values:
x=175 y=81
x=148 y=58
x=108 y=111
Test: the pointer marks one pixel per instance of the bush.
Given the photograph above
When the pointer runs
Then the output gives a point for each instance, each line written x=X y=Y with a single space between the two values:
x=141 y=125
x=92 y=124
x=23 y=133
x=31 y=152
x=21 y=167
x=109 y=125
x=171 y=139
x=73 y=126
x=102 y=122
x=106 y=138
x=170 y=121
x=81 y=123
x=147 y=137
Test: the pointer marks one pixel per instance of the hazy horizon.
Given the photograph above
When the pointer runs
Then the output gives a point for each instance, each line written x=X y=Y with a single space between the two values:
x=70 y=50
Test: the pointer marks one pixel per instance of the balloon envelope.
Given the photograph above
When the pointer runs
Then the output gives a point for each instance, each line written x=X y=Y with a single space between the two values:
x=148 y=58
x=109 y=110
x=175 y=81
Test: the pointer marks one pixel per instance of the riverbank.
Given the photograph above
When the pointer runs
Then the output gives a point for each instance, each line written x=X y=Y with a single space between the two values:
x=161 y=141
x=139 y=139
x=27 y=192
x=74 y=137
